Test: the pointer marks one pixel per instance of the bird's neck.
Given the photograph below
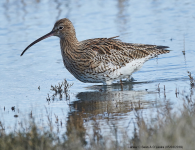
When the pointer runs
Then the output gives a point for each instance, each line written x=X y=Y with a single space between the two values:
x=69 y=47
x=69 y=43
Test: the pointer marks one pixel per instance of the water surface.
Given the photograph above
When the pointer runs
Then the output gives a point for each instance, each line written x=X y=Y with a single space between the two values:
x=168 y=23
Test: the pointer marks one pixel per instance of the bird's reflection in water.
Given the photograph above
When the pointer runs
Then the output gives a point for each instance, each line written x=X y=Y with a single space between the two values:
x=97 y=111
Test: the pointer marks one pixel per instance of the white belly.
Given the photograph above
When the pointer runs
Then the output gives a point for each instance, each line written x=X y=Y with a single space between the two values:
x=125 y=71
x=112 y=73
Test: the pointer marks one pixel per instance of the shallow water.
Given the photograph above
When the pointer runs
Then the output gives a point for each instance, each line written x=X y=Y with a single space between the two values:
x=169 y=23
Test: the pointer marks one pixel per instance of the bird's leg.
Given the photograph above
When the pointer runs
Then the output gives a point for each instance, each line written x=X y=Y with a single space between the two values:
x=121 y=83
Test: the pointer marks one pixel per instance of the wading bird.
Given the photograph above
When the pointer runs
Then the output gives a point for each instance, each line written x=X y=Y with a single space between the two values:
x=99 y=60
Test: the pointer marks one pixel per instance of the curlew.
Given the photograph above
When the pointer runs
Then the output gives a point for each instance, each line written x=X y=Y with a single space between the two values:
x=99 y=60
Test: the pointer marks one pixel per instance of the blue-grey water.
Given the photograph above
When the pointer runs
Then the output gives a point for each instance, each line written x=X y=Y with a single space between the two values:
x=169 y=23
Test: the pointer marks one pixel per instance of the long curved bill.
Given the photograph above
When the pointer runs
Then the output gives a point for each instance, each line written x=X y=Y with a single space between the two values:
x=41 y=38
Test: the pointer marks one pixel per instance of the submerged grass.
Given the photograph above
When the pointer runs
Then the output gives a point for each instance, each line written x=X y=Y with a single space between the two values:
x=169 y=130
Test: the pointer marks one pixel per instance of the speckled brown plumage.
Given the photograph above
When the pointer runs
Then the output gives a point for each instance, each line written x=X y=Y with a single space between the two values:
x=100 y=60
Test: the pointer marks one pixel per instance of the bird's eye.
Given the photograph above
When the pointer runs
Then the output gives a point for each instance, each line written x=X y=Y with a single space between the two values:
x=60 y=28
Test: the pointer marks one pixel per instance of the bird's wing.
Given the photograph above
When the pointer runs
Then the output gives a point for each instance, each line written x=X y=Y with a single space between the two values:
x=111 y=51
x=110 y=46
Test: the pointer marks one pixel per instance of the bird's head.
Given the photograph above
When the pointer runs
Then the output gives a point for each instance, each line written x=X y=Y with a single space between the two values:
x=63 y=28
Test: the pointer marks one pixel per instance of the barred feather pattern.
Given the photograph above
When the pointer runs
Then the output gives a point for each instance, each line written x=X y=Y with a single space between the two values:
x=103 y=60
